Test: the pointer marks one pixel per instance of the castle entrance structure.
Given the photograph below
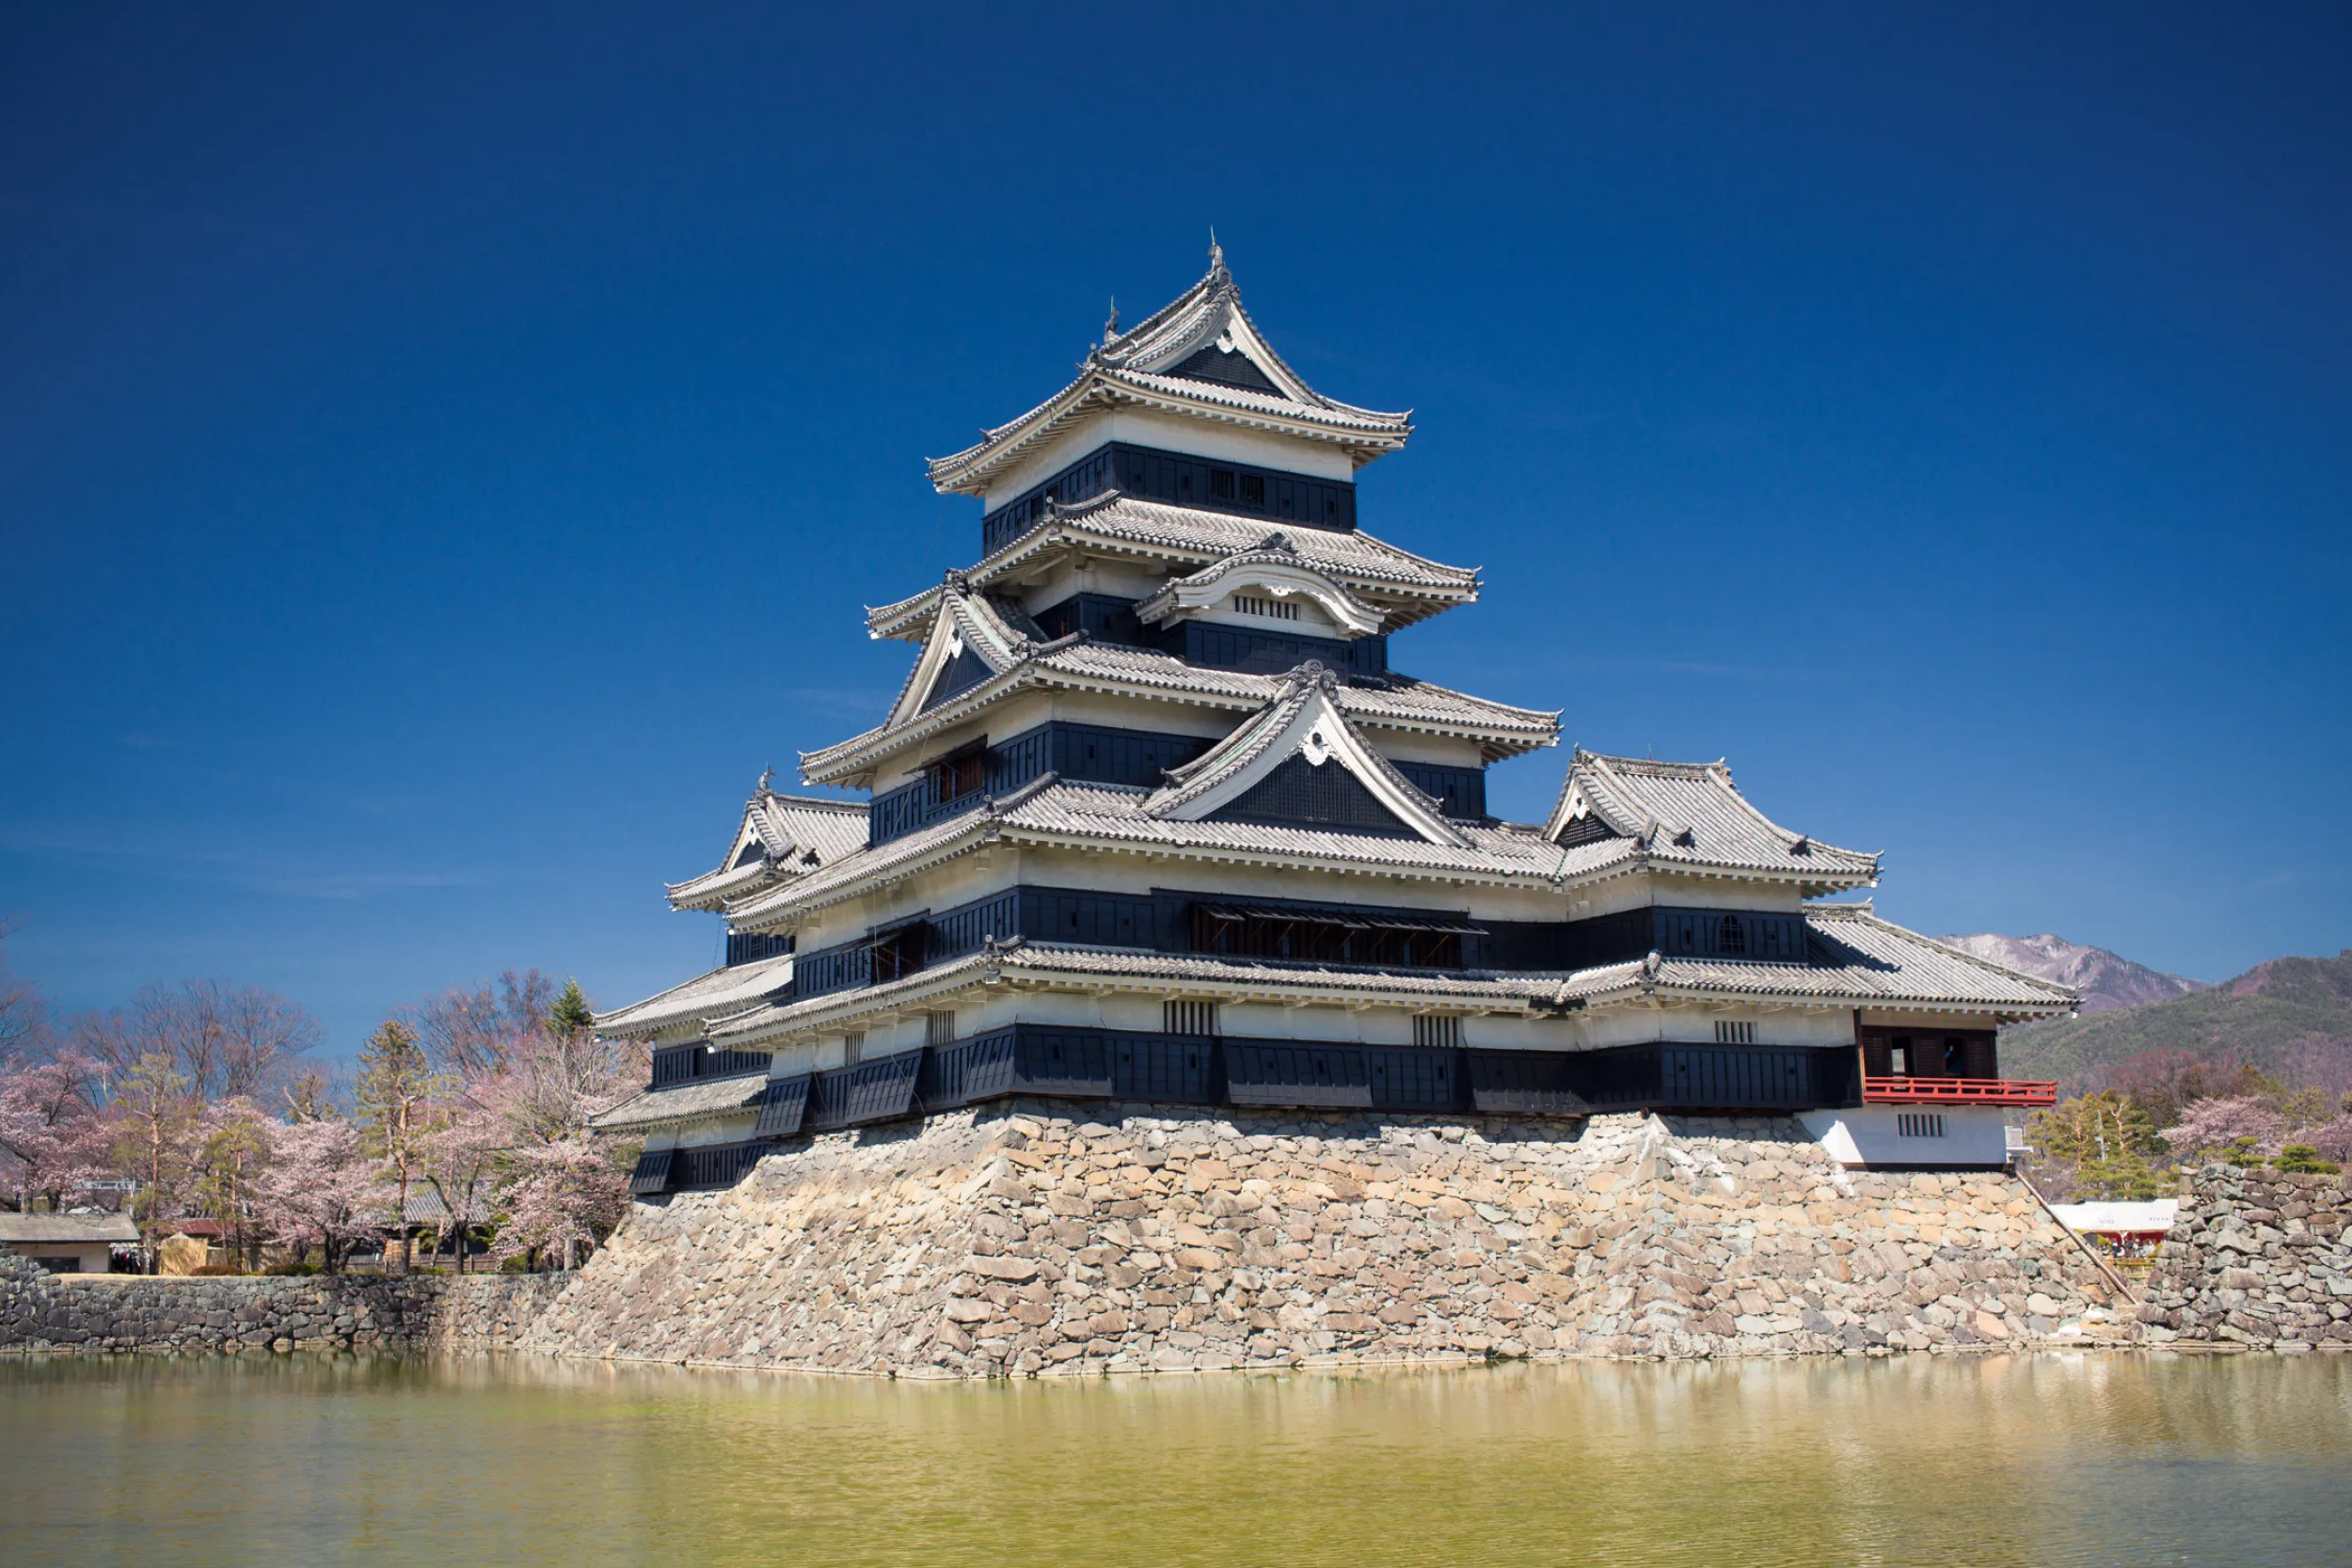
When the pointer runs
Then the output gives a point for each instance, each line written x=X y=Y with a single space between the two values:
x=1160 y=816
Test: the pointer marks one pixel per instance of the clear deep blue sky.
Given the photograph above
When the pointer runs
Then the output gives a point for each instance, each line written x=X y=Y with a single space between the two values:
x=444 y=450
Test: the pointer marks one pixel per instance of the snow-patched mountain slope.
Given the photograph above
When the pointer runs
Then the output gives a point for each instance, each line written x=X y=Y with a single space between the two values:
x=2106 y=980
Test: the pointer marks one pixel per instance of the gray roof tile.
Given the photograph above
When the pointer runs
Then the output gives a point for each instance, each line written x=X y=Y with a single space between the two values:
x=653 y=1108
x=703 y=997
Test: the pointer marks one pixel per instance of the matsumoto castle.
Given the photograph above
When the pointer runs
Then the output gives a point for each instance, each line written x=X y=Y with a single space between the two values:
x=1158 y=817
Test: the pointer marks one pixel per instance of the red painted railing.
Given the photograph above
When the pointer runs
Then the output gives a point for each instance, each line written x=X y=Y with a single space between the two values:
x=1957 y=1091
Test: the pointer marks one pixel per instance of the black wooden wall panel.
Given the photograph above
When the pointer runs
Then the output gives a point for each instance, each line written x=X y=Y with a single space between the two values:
x=1522 y=1083
x=1267 y=1072
x=1180 y=479
x=879 y=1090
x=652 y=1174
x=1298 y=793
x=1460 y=792
x=783 y=1107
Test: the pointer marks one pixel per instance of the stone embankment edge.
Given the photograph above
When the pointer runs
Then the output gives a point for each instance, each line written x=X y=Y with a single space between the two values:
x=930 y=1255
x=1029 y=1240
x=41 y=1313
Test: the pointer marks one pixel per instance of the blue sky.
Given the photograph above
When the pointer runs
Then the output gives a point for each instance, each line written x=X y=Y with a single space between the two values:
x=443 y=451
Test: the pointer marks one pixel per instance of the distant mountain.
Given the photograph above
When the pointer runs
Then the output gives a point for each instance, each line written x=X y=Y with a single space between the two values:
x=2290 y=1017
x=2106 y=980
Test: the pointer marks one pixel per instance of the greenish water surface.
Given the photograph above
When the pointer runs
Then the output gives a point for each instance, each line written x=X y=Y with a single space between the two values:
x=2040 y=1460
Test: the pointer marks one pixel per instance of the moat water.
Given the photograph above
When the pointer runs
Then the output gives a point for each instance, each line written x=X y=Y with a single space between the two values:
x=2043 y=1460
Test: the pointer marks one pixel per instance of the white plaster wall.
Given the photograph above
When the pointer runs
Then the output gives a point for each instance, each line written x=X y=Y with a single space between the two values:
x=1645 y=889
x=92 y=1257
x=1868 y=1135
x=725 y=1129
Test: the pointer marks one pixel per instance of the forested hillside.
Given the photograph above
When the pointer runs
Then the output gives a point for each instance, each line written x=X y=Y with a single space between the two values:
x=2292 y=1018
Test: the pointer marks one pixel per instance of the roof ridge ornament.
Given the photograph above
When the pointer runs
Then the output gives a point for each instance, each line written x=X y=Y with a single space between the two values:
x=1216 y=252
x=1278 y=543
x=1314 y=676
x=1110 y=327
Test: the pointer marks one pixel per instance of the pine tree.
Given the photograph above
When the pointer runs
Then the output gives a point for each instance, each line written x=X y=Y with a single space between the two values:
x=571 y=1013
x=394 y=1094
x=2106 y=1138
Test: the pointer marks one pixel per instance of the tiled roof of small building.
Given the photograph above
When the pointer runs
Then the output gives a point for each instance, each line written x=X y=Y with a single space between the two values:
x=31 y=1230
x=1690 y=811
x=653 y=1108
x=1180 y=539
x=705 y=996
x=1139 y=366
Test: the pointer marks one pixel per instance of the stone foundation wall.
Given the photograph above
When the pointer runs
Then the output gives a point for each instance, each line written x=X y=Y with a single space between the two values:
x=102 y=1313
x=1029 y=1239
x=2256 y=1258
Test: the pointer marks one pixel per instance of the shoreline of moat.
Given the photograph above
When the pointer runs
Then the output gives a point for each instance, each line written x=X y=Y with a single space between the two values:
x=1035 y=1240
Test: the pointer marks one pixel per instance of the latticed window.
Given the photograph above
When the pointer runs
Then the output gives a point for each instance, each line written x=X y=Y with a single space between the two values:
x=1730 y=935
x=1441 y=1030
x=1735 y=1034
x=1188 y=1018
x=939 y=1028
x=1919 y=1124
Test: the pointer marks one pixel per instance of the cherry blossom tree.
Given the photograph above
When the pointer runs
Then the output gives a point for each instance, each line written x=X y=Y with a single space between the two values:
x=53 y=1141
x=320 y=1188
x=2237 y=1128
x=520 y=1128
x=563 y=1198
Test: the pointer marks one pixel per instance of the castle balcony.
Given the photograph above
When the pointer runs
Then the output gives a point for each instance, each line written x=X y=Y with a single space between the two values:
x=1904 y=1090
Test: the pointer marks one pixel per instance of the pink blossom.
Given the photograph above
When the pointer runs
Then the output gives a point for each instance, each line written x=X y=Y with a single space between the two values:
x=2214 y=1128
x=319 y=1189
x=53 y=1140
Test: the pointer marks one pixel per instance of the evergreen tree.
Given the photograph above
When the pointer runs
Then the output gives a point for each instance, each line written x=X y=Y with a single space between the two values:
x=394 y=1095
x=154 y=1114
x=2104 y=1140
x=571 y=1013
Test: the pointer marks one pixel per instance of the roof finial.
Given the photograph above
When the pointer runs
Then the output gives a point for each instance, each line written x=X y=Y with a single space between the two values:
x=1110 y=327
x=1217 y=251
x=765 y=774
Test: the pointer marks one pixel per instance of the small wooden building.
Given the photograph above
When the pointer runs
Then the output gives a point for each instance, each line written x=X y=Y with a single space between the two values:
x=68 y=1243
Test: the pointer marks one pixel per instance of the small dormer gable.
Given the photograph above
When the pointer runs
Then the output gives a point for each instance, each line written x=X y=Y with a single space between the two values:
x=973 y=638
x=778 y=837
x=1299 y=763
x=1691 y=813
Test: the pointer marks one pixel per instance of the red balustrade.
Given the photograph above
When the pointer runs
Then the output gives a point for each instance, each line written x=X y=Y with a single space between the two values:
x=1957 y=1091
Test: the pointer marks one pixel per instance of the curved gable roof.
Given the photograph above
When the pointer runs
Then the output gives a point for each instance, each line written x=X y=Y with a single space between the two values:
x=1200 y=355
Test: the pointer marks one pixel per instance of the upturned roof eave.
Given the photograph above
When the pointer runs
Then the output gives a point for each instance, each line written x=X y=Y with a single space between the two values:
x=1406 y=602
x=1365 y=435
x=1134 y=365
x=860 y=752
x=1032 y=965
